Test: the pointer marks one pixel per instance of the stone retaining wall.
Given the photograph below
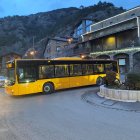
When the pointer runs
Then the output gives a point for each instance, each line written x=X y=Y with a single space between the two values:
x=120 y=95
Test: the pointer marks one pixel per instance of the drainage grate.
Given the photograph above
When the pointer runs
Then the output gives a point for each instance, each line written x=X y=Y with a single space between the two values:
x=109 y=102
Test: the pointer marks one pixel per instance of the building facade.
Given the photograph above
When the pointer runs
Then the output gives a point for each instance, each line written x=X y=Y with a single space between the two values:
x=64 y=46
x=116 y=38
x=82 y=27
x=56 y=47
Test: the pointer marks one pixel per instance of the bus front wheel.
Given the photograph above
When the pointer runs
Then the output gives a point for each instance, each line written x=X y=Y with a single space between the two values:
x=48 y=88
x=99 y=81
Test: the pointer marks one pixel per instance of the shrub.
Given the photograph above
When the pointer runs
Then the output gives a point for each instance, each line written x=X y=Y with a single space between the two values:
x=132 y=81
x=110 y=79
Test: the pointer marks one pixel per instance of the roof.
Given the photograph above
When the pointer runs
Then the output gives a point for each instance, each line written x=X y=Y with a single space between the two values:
x=79 y=22
x=138 y=7
x=10 y=53
x=59 y=39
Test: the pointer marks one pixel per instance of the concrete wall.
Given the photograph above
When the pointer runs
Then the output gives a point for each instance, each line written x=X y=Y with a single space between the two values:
x=111 y=30
x=136 y=58
x=116 y=19
x=119 y=95
x=138 y=23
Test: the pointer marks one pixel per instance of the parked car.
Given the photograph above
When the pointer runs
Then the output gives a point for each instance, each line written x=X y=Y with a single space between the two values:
x=2 y=81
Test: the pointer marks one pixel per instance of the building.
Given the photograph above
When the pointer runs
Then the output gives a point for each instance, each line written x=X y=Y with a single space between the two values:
x=5 y=58
x=55 y=47
x=117 y=38
x=59 y=47
x=64 y=46
x=82 y=27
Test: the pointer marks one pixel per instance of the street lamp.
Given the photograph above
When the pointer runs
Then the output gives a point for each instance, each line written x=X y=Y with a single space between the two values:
x=70 y=40
x=82 y=56
x=32 y=53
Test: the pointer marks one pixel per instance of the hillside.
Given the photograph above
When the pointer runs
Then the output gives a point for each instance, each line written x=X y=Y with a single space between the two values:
x=16 y=32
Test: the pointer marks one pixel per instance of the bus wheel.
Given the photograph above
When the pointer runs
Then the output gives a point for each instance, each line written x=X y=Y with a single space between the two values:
x=99 y=81
x=48 y=88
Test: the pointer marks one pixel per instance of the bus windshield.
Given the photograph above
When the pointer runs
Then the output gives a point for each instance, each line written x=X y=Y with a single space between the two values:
x=11 y=76
x=26 y=74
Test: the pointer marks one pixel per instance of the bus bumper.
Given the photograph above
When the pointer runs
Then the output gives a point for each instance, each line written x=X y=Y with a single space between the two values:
x=11 y=90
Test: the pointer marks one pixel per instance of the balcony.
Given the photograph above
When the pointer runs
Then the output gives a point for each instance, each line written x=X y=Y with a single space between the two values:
x=78 y=50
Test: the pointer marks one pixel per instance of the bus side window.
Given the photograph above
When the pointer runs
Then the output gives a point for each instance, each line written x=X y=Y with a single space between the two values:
x=75 y=70
x=115 y=66
x=87 y=69
x=99 y=68
x=46 y=72
x=84 y=69
x=109 y=67
x=61 y=71
x=90 y=68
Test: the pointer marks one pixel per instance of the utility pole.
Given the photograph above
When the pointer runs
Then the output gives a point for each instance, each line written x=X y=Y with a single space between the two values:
x=33 y=50
x=33 y=41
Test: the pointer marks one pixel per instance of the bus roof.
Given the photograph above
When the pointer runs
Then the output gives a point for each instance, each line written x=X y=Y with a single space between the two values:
x=68 y=58
x=64 y=60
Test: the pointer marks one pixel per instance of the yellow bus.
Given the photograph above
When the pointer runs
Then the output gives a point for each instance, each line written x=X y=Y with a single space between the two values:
x=37 y=76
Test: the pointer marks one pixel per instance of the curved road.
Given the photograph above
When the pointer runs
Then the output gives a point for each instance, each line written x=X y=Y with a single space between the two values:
x=64 y=116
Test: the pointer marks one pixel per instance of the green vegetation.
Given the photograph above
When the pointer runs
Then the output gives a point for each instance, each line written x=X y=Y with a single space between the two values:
x=132 y=81
x=8 y=40
x=111 y=79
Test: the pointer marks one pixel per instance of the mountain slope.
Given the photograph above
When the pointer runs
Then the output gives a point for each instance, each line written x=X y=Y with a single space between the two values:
x=17 y=32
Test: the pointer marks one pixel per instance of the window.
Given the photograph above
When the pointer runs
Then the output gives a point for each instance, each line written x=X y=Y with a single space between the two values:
x=61 y=71
x=88 y=29
x=79 y=27
x=58 y=48
x=11 y=74
x=46 y=72
x=98 y=68
x=111 y=67
x=27 y=74
x=87 y=69
x=133 y=14
x=108 y=66
x=75 y=69
x=79 y=32
x=122 y=61
x=88 y=22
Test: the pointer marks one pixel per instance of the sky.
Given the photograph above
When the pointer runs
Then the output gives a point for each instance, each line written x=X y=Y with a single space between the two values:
x=27 y=7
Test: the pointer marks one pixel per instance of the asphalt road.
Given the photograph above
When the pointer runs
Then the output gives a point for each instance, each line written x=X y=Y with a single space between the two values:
x=64 y=116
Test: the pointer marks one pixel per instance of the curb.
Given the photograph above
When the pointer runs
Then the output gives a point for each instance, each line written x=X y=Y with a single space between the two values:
x=92 y=98
x=119 y=95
